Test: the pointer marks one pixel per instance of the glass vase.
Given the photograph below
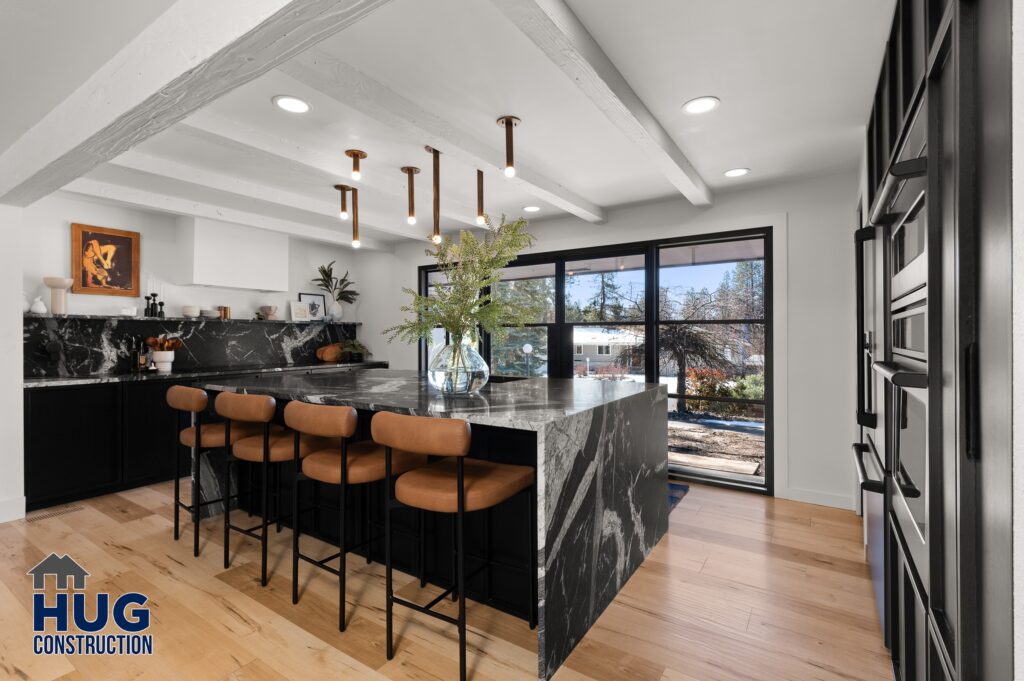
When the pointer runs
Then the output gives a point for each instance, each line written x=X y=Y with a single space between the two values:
x=458 y=368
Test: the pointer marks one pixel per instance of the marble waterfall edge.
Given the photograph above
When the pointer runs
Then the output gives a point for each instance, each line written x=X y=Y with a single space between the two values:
x=605 y=478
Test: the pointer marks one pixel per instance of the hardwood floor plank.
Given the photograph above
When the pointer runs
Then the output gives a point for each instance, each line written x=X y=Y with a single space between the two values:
x=743 y=588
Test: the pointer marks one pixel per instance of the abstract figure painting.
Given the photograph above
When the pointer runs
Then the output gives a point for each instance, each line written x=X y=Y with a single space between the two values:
x=104 y=261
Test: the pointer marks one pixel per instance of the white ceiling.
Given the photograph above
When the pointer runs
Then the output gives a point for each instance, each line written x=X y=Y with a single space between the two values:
x=795 y=78
x=50 y=47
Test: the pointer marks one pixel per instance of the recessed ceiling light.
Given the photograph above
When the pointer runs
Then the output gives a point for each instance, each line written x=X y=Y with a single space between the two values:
x=736 y=172
x=291 y=104
x=701 y=105
x=531 y=209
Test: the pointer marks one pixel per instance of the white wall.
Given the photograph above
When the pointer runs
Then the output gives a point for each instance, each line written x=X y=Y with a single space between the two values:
x=46 y=250
x=12 y=458
x=813 y=222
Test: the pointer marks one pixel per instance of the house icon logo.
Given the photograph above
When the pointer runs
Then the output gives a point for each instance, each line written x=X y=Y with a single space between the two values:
x=63 y=568
x=73 y=622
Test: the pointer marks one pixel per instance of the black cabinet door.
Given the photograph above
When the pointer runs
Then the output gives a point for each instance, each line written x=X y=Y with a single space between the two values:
x=72 y=442
x=150 y=430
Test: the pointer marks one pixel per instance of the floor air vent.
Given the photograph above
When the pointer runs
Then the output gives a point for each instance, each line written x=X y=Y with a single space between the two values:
x=52 y=512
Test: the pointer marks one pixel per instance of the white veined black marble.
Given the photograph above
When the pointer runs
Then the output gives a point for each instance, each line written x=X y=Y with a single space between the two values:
x=85 y=345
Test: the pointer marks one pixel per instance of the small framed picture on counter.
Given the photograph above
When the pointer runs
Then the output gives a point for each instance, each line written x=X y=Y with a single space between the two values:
x=317 y=304
x=300 y=311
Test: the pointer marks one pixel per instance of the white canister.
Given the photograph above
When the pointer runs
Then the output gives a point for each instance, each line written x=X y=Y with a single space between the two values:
x=163 y=360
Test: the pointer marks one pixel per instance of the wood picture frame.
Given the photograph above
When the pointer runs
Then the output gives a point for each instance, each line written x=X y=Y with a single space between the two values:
x=104 y=261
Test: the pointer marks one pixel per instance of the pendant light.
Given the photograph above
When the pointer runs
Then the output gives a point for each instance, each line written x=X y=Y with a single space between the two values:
x=411 y=171
x=343 y=188
x=481 y=219
x=355 y=218
x=509 y=122
x=436 y=235
x=356 y=157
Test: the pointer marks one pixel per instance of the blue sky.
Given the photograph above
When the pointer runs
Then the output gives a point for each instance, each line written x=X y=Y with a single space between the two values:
x=582 y=287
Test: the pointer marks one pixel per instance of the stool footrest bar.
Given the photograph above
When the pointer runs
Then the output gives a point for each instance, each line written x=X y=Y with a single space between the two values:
x=426 y=611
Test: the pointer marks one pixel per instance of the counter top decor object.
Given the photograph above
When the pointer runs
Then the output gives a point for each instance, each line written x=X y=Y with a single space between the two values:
x=459 y=306
x=269 y=312
x=58 y=293
x=338 y=289
x=38 y=306
x=317 y=304
x=210 y=314
x=190 y=311
x=104 y=261
x=300 y=311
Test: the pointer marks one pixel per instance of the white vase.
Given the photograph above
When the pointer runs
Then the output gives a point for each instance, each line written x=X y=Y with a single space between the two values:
x=58 y=293
x=38 y=306
x=335 y=311
x=163 y=360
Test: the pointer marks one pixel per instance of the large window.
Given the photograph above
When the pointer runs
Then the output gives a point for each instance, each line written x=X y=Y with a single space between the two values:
x=693 y=314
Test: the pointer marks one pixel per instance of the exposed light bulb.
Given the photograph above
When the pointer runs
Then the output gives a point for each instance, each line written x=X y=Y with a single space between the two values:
x=436 y=238
x=481 y=220
x=355 y=243
x=510 y=171
x=356 y=175
x=343 y=215
x=411 y=219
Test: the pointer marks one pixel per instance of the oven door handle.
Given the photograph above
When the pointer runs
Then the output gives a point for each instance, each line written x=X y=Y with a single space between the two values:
x=866 y=483
x=906 y=485
x=900 y=377
x=904 y=170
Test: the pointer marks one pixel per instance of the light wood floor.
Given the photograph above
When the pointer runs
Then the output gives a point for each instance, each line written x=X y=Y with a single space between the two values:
x=743 y=587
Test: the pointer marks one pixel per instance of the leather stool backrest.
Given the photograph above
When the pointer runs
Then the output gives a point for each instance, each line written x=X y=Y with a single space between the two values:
x=183 y=398
x=241 y=407
x=421 y=434
x=320 y=419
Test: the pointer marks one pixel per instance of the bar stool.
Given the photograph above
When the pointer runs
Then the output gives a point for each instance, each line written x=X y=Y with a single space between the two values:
x=454 y=485
x=272 y=446
x=344 y=463
x=197 y=437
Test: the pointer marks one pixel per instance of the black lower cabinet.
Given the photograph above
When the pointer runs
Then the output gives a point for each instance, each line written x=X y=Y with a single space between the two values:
x=909 y=617
x=72 y=442
x=82 y=441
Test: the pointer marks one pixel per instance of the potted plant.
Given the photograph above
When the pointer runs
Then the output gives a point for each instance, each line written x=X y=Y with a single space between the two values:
x=338 y=289
x=162 y=348
x=463 y=306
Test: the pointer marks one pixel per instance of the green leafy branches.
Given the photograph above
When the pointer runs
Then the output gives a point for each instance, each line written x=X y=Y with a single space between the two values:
x=462 y=303
x=340 y=289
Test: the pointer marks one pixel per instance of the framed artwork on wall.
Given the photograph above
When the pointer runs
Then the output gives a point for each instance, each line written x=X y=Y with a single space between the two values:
x=104 y=261
x=300 y=311
x=317 y=304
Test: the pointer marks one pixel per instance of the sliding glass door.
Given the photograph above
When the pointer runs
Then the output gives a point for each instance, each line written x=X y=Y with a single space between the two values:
x=693 y=314
x=712 y=333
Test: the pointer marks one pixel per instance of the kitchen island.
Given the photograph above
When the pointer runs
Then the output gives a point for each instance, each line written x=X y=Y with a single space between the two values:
x=599 y=448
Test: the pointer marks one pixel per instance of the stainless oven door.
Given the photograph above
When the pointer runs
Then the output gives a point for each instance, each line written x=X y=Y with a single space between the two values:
x=909 y=474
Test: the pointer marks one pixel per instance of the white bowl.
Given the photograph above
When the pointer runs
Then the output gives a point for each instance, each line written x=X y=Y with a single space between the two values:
x=210 y=314
x=190 y=311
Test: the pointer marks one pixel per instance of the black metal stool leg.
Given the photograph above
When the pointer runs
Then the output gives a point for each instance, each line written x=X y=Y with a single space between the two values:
x=277 y=496
x=295 y=523
x=366 y=522
x=341 y=536
x=177 y=489
x=264 y=509
x=387 y=549
x=423 y=550
x=455 y=557
x=487 y=552
x=197 y=492
x=252 y=487
x=460 y=551
x=227 y=512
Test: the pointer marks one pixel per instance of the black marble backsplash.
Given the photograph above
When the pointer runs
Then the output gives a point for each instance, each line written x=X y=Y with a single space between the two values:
x=88 y=345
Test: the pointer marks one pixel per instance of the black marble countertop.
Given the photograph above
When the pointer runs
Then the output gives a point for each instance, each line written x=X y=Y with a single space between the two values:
x=523 y=405
x=139 y=318
x=209 y=372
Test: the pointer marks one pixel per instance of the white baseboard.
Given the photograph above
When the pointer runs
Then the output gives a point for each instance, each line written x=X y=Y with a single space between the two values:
x=820 y=498
x=12 y=508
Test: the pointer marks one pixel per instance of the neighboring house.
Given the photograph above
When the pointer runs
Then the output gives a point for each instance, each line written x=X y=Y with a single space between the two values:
x=597 y=349
x=62 y=567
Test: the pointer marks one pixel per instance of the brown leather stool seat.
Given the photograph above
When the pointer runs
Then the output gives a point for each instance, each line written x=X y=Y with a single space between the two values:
x=366 y=463
x=282 y=446
x=435 y=487
x=213 y=434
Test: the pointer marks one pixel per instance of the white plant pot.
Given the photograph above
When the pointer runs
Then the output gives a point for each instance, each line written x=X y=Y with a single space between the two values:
x=163 y=360
x=335 y=311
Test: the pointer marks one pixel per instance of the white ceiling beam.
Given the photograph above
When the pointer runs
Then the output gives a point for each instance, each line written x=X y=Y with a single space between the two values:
x=154 y=166
x=159 y=201
x=255 y=140
x=558 y=32
x=352 y=88
x=189 y=56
